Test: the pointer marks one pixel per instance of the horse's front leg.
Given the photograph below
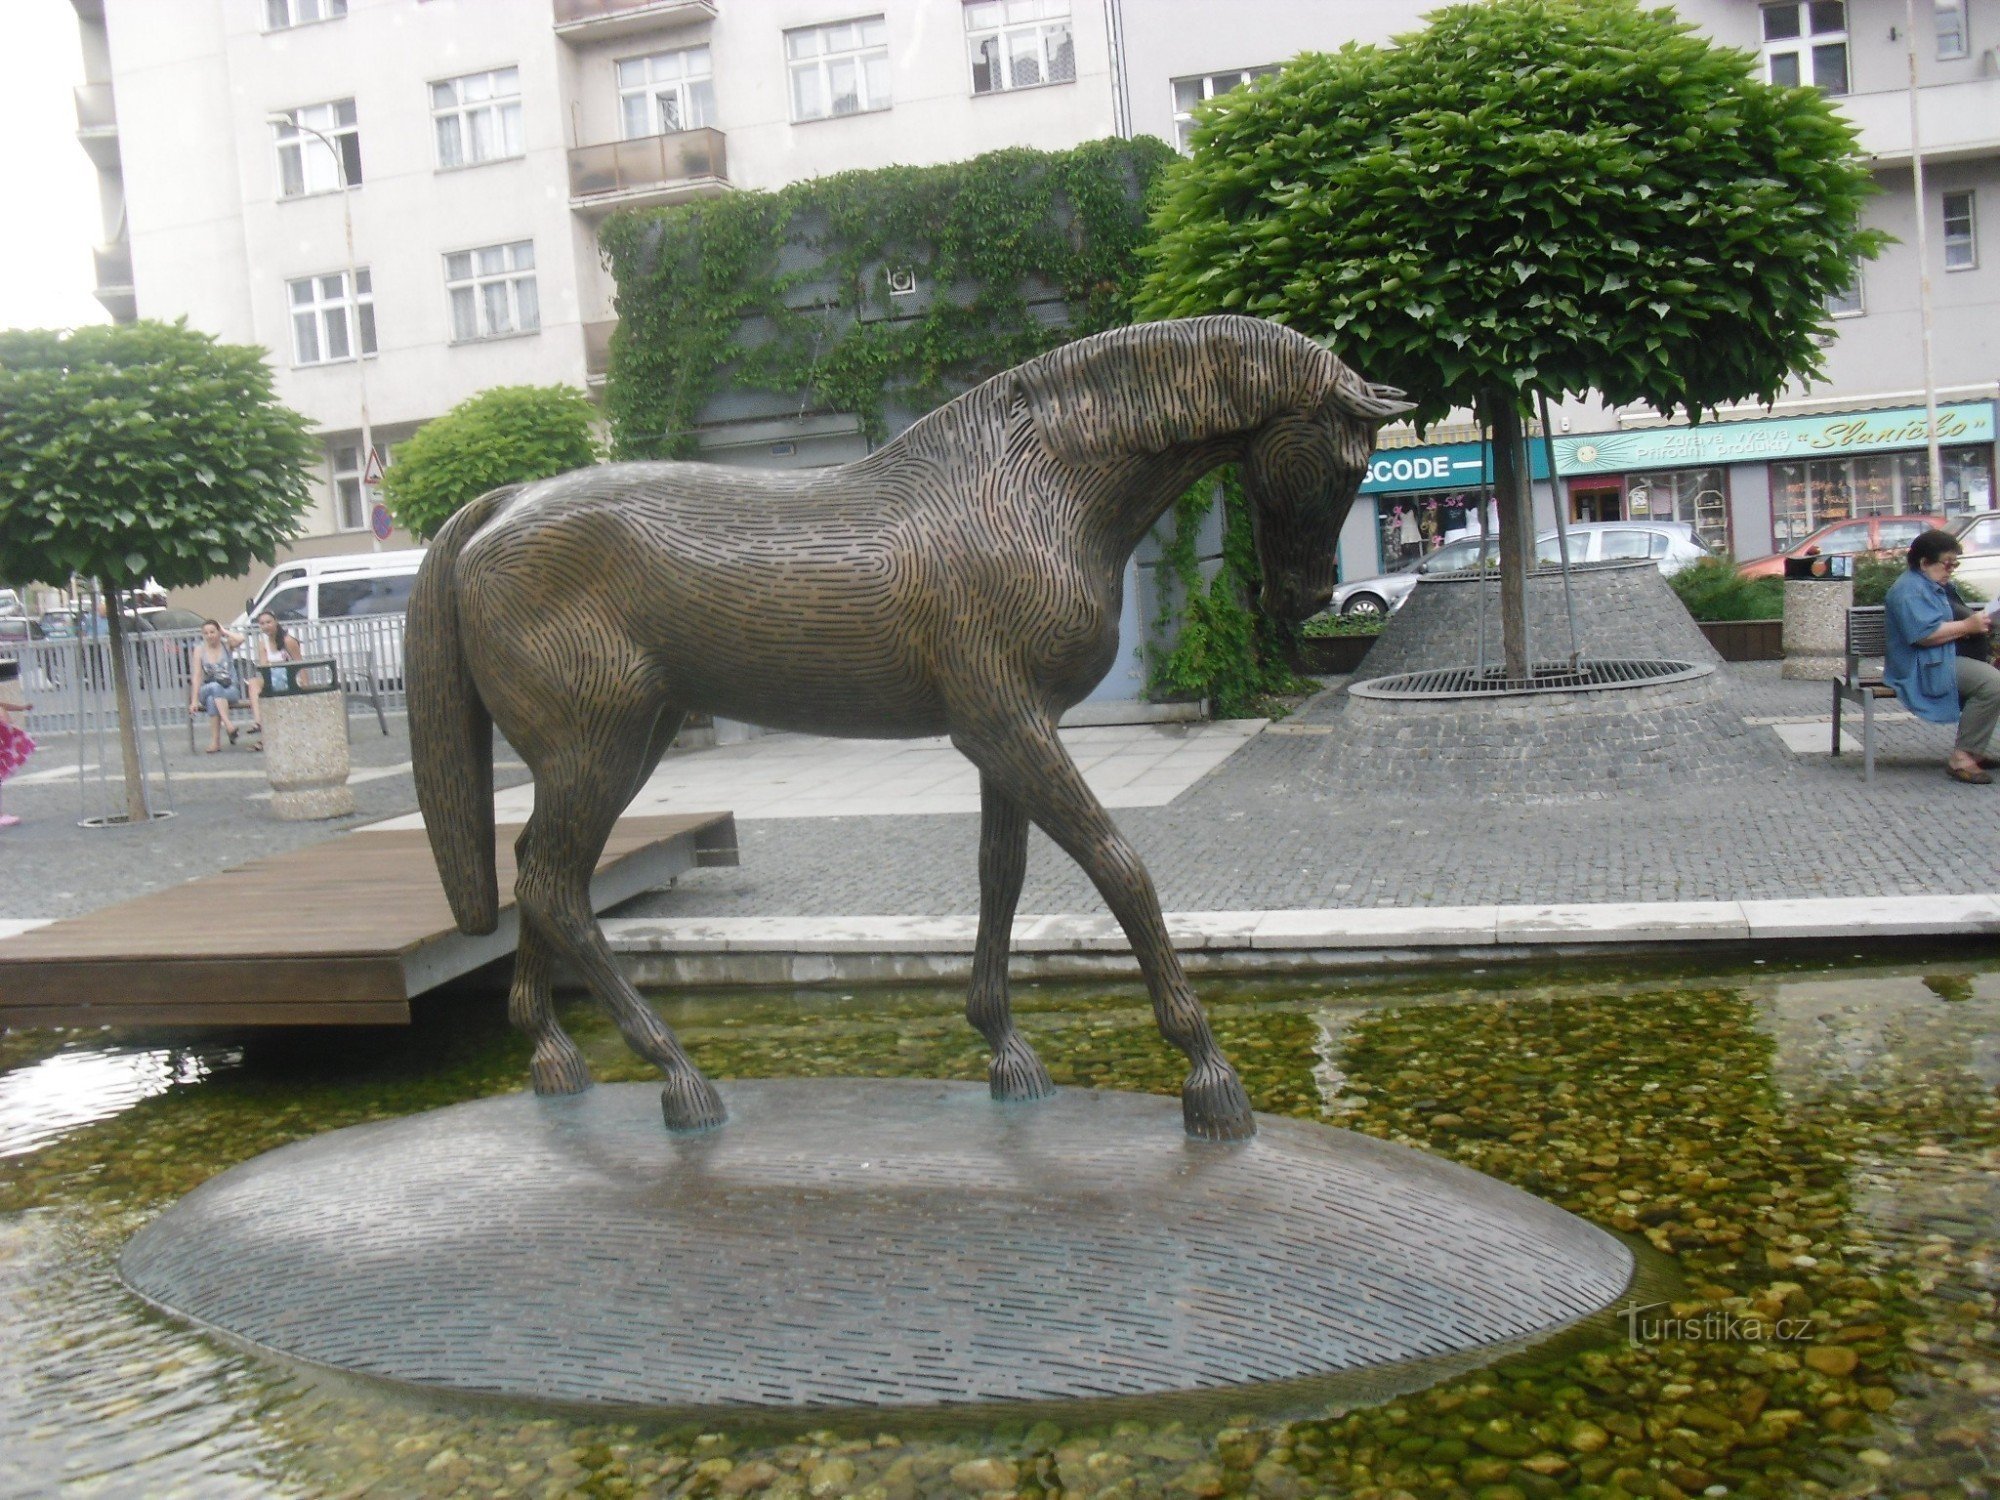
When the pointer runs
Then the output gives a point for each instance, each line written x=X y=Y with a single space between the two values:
x=1015 y=1072
x=1018 y=752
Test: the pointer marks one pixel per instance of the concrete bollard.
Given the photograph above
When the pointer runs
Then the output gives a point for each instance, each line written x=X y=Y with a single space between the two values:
x=1816 y=627
x=305 y=741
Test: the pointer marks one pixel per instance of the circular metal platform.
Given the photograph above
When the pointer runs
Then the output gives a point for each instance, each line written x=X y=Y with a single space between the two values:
x=865 y=1243
x=1587 y=676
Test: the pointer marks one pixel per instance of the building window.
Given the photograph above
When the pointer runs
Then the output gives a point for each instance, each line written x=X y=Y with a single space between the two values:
x=1805 y=41
x=350 y=513
x=282 y=15
x=492 y=292
x=1019 y=44
x=304 y=163
x=1953 y=39
x=1961 y=246
x=1846 y=303
x=478 y=117
x=326 y=322
x=665 y=92
x=841 y=69
x=1188 y=92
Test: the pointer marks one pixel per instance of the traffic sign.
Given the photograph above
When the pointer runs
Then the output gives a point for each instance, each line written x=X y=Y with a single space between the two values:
x=371 y=472
x=380 y=521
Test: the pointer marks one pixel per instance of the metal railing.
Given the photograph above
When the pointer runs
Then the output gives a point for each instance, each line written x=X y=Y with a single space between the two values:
x=651 y=161
x=70 y=681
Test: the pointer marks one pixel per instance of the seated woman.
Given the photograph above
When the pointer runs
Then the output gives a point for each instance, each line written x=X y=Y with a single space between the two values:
x=213 y=683
x=1924 y=666
x=275 y=643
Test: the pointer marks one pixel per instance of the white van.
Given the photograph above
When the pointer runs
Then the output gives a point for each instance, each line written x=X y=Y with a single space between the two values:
x=334 y=588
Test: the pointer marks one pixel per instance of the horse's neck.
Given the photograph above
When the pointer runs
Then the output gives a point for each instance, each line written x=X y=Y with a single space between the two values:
x=1146 y=486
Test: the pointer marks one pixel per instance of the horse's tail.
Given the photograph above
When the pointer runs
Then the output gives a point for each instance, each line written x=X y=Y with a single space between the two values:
x=451 y=733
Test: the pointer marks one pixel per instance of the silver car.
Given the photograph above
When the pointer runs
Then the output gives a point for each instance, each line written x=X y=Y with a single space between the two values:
x=1670 y=544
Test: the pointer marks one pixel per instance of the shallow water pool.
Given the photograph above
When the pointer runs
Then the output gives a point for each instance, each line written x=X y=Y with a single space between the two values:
x=1812 y=1153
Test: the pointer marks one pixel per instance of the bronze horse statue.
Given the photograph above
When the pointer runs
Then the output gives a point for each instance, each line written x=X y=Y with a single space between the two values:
x=964 y=579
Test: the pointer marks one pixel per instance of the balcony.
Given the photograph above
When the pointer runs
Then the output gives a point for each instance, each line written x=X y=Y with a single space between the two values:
x=1958 y=121
x=653 y=169
x=597 y=350
x=114 y=280
x=579 y=21
x=97 y=124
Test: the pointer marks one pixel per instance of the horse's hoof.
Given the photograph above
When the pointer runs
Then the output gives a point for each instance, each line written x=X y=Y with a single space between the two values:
x=1016 y=1074
x=1214 y=1106
x=558 y=1068
x=690 y=1102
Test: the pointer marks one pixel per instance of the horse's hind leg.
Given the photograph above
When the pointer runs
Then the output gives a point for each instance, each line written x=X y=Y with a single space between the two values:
x=1015 y=1072
x=580 y=789
x=557 y=1067
x=1019 y=751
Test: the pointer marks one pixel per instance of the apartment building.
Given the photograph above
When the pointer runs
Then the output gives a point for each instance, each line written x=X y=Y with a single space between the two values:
x=481 y=142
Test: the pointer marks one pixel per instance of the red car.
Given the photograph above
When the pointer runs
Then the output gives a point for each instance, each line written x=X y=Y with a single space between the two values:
x=1846 y=539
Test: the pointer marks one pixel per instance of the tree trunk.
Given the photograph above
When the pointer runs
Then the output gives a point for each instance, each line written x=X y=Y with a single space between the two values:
x=1515 y=501
x=136 y=810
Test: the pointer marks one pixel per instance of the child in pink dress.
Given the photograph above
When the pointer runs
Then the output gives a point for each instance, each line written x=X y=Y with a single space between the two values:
x=15 y=746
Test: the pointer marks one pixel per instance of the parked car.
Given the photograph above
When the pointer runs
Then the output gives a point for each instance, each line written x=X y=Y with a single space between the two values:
x=1854 y=538
x=1979 y=565
x=1671 y=544
x=332 y=588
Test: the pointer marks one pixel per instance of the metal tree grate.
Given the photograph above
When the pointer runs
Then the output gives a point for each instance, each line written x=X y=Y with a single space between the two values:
x=1545 y=677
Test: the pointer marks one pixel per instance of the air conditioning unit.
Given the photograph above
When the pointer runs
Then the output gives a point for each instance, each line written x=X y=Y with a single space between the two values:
x=902 y=281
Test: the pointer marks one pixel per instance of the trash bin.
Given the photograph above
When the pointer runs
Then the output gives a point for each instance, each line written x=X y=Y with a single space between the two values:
x=305 y=740
x=1818 y=594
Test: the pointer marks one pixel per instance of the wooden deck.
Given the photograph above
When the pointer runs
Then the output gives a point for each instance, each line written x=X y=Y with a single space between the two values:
x=340 y=933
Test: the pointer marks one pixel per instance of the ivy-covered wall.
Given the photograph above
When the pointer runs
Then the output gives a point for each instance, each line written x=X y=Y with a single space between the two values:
x=761 y=303
x=788 y=293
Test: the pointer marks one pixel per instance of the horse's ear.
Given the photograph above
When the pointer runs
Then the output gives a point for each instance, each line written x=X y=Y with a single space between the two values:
x=1146 y=389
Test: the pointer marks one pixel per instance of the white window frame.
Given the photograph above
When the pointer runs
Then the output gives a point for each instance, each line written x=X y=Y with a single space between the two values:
x=491 y=289
x=1209 y=86
x=1805 y=42
x=684 y=75
x=480 y=113
x=1965 y=244
x=1850 y=303
x=283 y=15
x=305 y=159
x=326 y=310
x=343 y=462
x=1954 y=29
x=1041 y=27
x=816 y=52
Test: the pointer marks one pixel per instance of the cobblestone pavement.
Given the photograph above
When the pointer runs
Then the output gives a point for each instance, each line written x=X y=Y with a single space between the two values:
x=1278 y=825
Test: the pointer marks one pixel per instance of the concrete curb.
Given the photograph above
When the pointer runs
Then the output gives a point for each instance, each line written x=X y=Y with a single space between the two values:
x=879 y=949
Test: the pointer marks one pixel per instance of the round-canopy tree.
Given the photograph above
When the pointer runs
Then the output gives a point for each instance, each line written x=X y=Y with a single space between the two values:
x=1528 y=197
x=143 y=450
x=508 y=435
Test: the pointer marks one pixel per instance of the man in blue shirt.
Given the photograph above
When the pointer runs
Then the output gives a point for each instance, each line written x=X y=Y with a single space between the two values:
x=1924 y=665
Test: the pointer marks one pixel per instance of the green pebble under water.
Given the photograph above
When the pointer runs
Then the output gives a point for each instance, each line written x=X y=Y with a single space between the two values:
x=1842 y=1176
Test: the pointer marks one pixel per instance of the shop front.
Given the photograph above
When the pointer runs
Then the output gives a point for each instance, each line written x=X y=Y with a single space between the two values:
x=1762 y=486
x=1422 y=497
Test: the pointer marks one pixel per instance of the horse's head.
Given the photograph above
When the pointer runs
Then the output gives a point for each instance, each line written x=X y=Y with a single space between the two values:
x=1306 y=421
x=1302 y=470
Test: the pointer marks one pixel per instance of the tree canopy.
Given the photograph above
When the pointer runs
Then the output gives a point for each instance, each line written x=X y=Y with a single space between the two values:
x=143 y=450
x=1552 y=195
x=508 y=435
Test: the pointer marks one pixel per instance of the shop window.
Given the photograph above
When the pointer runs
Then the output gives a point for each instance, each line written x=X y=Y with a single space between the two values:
x=1409 y=526
x=1968 y=480
x=1805 y=42
x=1696 y=496
x=1808 y=495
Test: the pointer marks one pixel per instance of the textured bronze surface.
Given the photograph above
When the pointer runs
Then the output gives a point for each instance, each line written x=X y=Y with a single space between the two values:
x=866 y=1242
x=963 y=580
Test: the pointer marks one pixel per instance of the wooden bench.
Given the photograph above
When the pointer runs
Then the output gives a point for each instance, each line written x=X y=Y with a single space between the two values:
x=1867 y=642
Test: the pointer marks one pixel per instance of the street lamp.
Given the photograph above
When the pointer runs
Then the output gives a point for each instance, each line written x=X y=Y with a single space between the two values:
x=291 y=122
